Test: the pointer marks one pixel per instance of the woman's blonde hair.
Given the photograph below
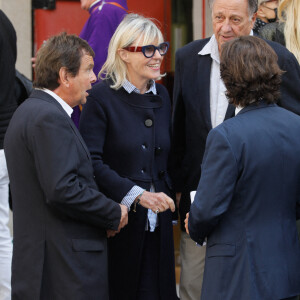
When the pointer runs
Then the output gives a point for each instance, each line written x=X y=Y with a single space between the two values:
x=133 y=28
x=289 y=13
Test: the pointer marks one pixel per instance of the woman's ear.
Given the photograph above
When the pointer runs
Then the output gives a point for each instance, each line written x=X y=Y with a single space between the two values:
x=260 y=13
x=124 y=55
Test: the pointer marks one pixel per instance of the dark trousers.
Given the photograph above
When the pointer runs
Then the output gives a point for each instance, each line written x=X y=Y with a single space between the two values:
x=149 y=278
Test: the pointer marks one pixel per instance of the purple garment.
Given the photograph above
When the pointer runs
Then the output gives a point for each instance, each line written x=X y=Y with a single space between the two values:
x=97 y=31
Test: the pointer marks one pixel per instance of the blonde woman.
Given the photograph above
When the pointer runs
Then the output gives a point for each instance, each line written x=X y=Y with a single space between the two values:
x=287 y=31
x=126 y=126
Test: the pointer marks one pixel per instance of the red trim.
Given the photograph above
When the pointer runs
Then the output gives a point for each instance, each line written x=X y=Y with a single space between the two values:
x=133 y=49
x=117 y=4
x=203 y=19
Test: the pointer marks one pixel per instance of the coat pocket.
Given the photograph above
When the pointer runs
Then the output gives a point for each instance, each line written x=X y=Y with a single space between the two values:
x=216 y=250
x=85 y=245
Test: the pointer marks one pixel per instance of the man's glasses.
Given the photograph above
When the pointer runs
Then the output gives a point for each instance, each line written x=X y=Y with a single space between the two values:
x=149 y=50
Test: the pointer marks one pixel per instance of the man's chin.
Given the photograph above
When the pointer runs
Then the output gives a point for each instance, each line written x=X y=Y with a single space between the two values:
x=83 y=101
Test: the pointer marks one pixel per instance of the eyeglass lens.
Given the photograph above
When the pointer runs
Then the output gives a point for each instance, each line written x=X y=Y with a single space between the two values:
x=150 y=49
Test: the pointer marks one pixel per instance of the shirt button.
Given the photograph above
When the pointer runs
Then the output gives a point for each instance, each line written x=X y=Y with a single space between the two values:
x=148 y=123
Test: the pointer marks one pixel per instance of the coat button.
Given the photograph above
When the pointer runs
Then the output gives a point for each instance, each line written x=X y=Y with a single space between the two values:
x=142 y=171
x=161 y=174
x=157 y=150
x=148 y=123
x=144 y=146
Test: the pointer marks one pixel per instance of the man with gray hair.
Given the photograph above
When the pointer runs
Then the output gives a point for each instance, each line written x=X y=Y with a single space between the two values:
x=200 y=104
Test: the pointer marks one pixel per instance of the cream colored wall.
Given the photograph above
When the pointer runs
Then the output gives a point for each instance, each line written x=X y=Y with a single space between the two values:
x=197 y=20
x=19 y=12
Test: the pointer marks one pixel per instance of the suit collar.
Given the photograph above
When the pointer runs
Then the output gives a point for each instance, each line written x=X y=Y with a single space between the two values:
x=40 y=94
x=256 y=105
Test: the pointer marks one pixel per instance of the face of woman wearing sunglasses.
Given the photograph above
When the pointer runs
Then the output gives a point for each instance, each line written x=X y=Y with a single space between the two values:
x=143 y=63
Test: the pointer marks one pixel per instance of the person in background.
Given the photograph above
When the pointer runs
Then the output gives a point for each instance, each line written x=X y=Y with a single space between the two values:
x=126 y=126
x=60 y=217
x=200 y=104
x=287 y=30
x=247 y=200
x=105 y=16
x=8 y=105
x=266 y=13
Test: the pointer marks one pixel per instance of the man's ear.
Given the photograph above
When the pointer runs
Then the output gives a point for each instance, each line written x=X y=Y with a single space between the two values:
x=124 y=55
x=63 y=77
x=253 y=19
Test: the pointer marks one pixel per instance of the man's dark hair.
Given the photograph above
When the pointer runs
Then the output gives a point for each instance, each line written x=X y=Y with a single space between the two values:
x=63 y=50
x=252 y=6
x=250 y=71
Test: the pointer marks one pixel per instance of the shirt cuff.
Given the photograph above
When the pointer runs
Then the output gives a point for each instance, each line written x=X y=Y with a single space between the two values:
x=131 y=195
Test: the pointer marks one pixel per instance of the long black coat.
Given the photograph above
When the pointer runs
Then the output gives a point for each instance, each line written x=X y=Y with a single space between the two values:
x=60 y=217
x=191 y=114
x=128 y=136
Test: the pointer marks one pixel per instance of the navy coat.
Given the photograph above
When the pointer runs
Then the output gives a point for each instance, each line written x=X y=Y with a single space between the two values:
x=128 y=136
x=246 y=205
x=191 y=115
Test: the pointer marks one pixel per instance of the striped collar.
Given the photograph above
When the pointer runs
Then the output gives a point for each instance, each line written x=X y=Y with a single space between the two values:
x=129 y=87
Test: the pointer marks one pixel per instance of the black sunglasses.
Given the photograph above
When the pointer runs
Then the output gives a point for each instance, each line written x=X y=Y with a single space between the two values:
x=149 y=50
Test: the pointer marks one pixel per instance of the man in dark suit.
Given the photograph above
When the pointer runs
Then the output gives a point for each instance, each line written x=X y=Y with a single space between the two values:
x=248 y=196
x=200 y=104
x=60 y=217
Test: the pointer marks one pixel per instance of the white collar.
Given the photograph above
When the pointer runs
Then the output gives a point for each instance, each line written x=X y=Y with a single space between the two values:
x=212 y=49
x=68 y=109
x=94 y=3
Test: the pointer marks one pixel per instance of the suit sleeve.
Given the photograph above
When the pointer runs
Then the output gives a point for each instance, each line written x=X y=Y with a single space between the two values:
x=290 y=87
x=93 y=127
x=216 y=187
x=65 y=185
x=177 y=151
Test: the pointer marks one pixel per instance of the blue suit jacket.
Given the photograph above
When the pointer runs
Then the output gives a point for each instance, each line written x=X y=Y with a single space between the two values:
x=191 y=112
x=246 y=204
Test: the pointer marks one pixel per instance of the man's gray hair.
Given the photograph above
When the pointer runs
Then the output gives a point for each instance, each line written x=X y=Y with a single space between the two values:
x=252 y=6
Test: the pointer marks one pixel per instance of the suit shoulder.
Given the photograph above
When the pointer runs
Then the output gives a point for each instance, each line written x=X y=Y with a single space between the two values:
x=192 y=47
x=281 y=51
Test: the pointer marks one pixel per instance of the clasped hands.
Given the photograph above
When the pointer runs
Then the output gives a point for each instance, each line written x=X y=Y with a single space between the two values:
x=157 y=202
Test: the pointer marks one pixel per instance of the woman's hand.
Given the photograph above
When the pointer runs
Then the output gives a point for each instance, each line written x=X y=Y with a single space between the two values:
x=157 y=202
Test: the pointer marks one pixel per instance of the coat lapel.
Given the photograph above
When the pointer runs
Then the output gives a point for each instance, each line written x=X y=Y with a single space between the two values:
x=39 y=94
x=204 y=68
x=230 y=112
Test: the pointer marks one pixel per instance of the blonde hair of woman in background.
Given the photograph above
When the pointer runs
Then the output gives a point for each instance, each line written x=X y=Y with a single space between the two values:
x=289 y=13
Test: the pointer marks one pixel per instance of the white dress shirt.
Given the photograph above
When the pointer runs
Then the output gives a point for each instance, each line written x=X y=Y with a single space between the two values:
x=218 y=100
x=68 y=109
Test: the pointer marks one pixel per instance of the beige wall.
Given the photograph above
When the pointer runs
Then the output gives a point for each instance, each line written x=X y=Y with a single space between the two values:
x=197 y=20
x=19 y=12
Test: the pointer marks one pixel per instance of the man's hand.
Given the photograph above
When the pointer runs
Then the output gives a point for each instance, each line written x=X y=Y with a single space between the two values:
x=124 y=217
x=111 y=233
x=178 y=197
x=157 y=202
x=186 y=222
